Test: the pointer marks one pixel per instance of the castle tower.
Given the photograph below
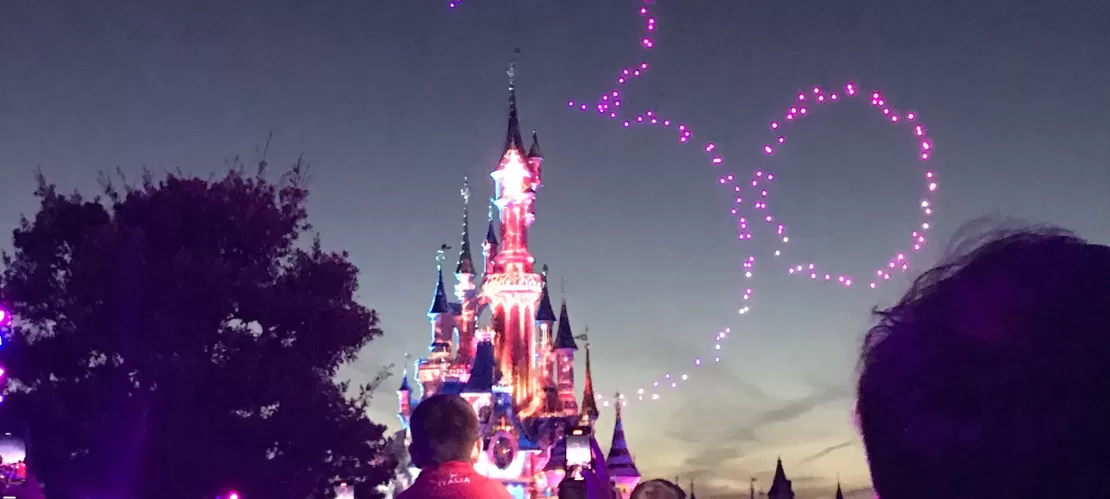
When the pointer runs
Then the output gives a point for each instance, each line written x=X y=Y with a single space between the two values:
x=432 y=370
x=564 y=348
x=483 y=377
x=622 y=469
x=542 y=355
x=512 y=289
x=465 y=288
x=535 y=162
x=535 y=167
x=781 y=488
x=404 y=397
x=589 y=399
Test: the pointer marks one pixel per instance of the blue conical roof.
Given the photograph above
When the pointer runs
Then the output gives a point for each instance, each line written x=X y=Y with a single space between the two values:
x=483 y=371
x=564 y=337
x=439 y=301
x=619 y=462
x=544 y=311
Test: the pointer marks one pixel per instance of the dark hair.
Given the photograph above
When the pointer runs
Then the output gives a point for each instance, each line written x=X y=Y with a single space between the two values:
x=444 y=429
x=657 y=489
x=991 y=377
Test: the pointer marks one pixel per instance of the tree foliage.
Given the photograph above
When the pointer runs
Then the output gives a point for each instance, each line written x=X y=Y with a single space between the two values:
x=178 y=339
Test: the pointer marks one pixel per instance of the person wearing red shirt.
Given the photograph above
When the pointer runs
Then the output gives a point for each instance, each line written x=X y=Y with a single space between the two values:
x=445 y=446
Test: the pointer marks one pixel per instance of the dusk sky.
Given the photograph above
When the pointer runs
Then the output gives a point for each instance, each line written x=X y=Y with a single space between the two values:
x=393 y=102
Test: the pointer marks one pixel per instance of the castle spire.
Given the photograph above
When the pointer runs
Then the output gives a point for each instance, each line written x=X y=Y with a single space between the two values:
x=619 y=462
x=405 y=387
x=466 y=262
x=489 y=246
x=781 y=488
x=439 y=300
x=589 y=400
x=564 y=337
x=534 y=149
x=839 y=492
x=692 y=494
x=544 y=312
x=491 y=232
x=513 y=137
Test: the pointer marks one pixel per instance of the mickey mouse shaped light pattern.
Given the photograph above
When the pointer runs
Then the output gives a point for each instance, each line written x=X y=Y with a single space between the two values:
x=609 y=105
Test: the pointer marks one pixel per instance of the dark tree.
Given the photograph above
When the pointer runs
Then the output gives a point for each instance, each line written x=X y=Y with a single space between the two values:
x=179 y=339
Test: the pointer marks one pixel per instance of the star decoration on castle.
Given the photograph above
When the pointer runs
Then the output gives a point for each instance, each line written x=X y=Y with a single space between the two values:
x=500 y=345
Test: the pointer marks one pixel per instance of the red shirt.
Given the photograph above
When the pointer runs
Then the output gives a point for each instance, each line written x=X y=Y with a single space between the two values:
x=454 y=480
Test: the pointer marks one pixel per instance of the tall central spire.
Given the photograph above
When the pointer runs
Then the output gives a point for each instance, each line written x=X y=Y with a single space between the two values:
x=513 y=137
x=466 y=261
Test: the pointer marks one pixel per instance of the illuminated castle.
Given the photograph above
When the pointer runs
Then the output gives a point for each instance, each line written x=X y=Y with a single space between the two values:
x=500 y=346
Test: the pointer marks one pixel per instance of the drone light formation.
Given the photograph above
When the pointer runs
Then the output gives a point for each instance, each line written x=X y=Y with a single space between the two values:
x=817 y=98
x=610 y=105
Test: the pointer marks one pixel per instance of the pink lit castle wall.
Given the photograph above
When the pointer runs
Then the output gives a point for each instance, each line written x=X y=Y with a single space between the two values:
x=500 y=345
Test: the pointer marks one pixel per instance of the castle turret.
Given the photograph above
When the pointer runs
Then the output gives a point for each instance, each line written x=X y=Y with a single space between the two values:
x=535 y=161
x=478 y=390
x=619 y=463
x=564 y=348
x=490 y=244
x=404 y=396
x=589 y=399
x=465 y=289
x=781 y=488
x=513 y=290
x=440 y=310
x=542 y=353
x=514 y=193
x=432 y=370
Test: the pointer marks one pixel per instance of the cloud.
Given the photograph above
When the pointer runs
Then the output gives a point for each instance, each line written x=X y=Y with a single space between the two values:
x=826 y=451
x=862 y=493
x=718 y=444
x=694 y=427
x=796 y=408
x=711 y=457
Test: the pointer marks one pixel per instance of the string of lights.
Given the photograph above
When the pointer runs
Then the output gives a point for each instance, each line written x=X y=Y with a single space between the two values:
x=609 y=105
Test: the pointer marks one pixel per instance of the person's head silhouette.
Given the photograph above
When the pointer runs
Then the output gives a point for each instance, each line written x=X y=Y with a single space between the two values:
x=991 y=377
x=444 y=429
x=657 y=489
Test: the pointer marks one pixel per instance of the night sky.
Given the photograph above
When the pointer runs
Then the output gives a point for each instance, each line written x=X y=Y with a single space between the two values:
x=393 y=102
